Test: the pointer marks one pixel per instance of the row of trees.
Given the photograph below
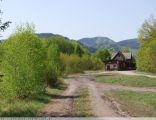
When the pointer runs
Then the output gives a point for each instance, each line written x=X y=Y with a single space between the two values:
x=146 y=56
x=30 y=64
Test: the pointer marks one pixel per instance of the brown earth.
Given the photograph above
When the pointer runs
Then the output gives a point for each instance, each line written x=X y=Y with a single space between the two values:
x=102 y=106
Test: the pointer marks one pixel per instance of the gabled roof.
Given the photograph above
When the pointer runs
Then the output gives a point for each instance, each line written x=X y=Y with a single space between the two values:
x=126 y=55
x=114 y=54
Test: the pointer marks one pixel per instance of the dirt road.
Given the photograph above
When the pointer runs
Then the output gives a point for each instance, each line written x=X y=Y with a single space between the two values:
x=101 y=106
x=62 y=105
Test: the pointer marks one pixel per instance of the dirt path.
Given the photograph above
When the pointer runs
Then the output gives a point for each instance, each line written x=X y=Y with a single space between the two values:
x=61 y=106
x=100 y=108
x=100 y=104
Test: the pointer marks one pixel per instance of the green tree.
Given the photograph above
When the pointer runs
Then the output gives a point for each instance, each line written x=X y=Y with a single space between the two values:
x=97 y=64
x=65 y=46
x=91 y=63
x=23 y=64
x=147 y=31
x=1 y=51
x=126 y=50
x=103 y=54
x=78 y=50
x=146 y=55
x=87 y=62
x=53 y=65
x=72 y=63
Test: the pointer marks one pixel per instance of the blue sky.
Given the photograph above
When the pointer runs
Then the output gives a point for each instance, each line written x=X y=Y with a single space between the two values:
x=116 y=19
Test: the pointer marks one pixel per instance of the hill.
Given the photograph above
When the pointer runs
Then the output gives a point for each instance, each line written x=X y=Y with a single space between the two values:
x=48 y=35
x=100 y=42
x=104 y=42
x=130 y=43
x=94 y=43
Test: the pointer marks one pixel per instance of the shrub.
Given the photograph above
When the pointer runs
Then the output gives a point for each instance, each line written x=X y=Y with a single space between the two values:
x=53 y=65
x=71 y=63
x=97 y=63
x=1 y=51
x=23 y=64
x=75 y=64
x=103 y=54
x=87 y=62
x=91 y=63
x=78 y=50
x=146 y=57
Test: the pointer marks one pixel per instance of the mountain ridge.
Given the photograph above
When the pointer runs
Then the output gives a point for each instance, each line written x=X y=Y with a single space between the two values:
x=95 y=43
x=130 y=43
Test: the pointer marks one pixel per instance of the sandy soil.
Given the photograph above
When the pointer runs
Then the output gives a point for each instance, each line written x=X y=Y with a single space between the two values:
x=100 y=104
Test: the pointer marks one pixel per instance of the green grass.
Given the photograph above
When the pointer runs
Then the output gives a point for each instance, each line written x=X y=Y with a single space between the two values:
x=136 y=104
x=26 y=108
x=135 y=81
x=82 y=103
x=145 y=73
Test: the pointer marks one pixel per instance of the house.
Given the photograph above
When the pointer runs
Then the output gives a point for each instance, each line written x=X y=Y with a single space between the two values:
x=121 y=61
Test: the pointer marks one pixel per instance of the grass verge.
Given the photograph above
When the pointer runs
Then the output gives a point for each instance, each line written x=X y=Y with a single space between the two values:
x=82 y=106
x=125 y=80
x=26 y=108
x=134 y=103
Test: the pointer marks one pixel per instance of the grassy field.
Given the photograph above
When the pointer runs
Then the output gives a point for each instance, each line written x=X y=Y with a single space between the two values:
x=82 y=103
x=26 y=108
x=135 y=81
x=136 y=104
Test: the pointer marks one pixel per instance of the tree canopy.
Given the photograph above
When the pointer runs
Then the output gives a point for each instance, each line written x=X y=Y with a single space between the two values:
x=147 y=31
x=103 y=54
x=146 y=55
x=23 y=64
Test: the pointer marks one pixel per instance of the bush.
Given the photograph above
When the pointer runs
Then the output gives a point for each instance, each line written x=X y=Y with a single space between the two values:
x=75 y=64
x=103 y=54
x=23 y=64
x=146 y=57
x=1 y=51
x=91 y=63
x=71 y=63
x=87 y=62
x=97 y=63
x=78 y=50
x=53 y=65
